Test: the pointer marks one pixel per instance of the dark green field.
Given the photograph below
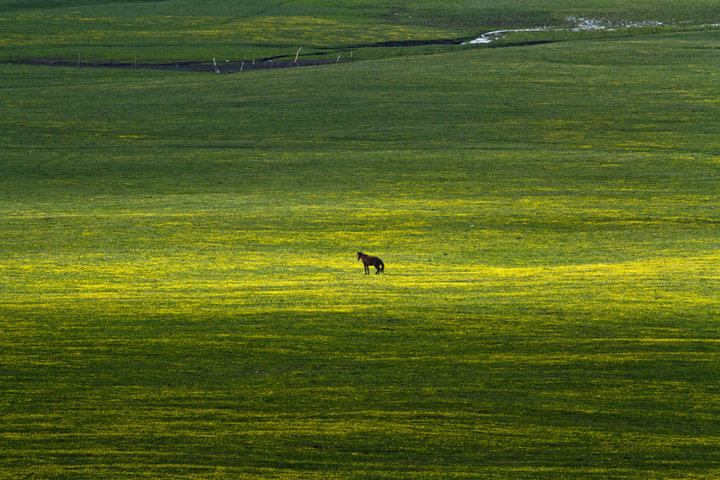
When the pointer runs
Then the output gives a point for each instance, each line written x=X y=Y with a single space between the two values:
x=180 y=297
x=172 y=31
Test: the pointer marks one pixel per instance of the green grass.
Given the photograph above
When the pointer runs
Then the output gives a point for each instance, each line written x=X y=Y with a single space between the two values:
x=184 y=30
x=179 y=296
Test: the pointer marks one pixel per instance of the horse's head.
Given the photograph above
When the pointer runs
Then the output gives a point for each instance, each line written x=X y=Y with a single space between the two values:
x=360 y=254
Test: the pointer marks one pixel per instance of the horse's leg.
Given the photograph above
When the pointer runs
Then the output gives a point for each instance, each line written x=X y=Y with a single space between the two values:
x=367 y=269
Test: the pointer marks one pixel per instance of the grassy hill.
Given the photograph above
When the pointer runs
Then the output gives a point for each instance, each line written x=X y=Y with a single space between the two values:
x=179 y=296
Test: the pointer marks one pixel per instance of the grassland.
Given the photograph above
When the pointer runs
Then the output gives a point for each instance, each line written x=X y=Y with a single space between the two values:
x=184 y=30
x=179 y=296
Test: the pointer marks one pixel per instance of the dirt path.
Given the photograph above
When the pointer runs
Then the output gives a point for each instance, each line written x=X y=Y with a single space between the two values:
x=233 y=66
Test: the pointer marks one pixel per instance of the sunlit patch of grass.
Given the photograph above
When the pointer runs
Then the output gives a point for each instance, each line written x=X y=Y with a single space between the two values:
x=318 y=32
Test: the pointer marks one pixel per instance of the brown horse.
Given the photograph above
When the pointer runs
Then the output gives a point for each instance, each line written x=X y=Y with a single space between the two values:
x=374 y=261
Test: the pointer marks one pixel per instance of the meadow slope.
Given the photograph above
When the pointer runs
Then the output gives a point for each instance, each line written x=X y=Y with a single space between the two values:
x=179 y=296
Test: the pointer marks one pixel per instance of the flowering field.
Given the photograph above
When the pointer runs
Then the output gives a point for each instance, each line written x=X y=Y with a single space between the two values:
x=179 y=295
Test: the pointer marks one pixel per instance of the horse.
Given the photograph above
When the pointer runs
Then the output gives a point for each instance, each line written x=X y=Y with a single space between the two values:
x=374 y=261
